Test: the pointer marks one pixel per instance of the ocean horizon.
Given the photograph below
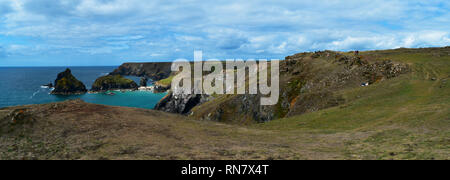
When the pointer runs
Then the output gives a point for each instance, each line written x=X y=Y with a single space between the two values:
x=22 y=85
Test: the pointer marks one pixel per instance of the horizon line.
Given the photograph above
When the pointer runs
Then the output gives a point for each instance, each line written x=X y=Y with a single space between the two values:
x=138 y=61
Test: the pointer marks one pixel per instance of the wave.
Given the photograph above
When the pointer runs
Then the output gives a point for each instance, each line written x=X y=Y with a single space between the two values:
x=34 y=94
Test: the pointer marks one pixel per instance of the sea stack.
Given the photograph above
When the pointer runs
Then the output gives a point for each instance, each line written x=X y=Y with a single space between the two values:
x=67 y=84
x=113 y=82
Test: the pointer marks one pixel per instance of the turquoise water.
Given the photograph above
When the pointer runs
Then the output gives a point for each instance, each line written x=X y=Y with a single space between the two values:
x=22 y=86
x=139 y=99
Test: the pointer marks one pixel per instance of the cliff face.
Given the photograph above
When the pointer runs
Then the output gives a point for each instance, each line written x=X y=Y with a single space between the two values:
x=113 y=82
x=156 y=71
x=309 y=82
x=67 y=84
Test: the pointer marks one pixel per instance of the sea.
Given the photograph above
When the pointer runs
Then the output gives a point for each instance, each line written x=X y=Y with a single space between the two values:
x=23 y=86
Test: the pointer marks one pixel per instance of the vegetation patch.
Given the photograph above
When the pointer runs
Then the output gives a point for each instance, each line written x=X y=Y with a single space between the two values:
x=113 y=82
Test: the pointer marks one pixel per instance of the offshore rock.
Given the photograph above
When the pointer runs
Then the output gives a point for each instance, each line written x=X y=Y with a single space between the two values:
x=67 y=84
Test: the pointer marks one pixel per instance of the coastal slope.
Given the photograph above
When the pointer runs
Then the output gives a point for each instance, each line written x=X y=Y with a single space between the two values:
x=403 y=117
x=155 y=71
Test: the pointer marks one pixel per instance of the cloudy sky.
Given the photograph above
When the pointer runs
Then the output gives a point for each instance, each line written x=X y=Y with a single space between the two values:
x=109 y=32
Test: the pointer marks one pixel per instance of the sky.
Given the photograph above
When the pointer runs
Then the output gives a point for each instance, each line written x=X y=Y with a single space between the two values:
x=110 y=32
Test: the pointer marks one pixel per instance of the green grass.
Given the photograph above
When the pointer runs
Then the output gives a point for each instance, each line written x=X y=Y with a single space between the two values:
x=406 y=99
x=166 y=82
x=402 y=118
x=114 y=78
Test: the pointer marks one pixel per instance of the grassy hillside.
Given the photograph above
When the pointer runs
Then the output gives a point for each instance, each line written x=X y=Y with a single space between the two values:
x=309 y=82
x=166 y=81
x=406 y=117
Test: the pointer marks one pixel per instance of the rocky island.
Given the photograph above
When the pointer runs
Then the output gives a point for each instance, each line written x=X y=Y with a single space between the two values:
x=113 y=82
x=67 y=84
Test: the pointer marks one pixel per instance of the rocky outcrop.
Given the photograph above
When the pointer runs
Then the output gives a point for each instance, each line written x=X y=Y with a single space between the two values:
x=155 y=71
x=113 y=82
x=67 y=84
x=180 y=103
x=373 y=72
x=308 y=83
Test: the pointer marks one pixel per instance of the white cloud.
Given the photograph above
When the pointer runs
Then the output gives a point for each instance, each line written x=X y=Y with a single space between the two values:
x=2 y=52
x=109 y=8
x=224 y=28
x=16 y=47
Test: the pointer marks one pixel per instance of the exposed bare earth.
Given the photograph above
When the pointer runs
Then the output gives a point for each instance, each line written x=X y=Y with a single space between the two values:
x=78 y=130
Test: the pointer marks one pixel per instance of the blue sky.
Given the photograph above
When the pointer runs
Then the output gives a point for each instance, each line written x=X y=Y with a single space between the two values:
x=110 y=32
